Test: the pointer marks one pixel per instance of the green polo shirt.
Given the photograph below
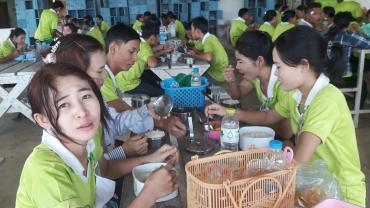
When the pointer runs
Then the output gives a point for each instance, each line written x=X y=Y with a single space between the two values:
x=48 y=21
x=137 y=25
x=329 y=118
x=278 y=93
x=220 y=61
x=108 y=90
x=6 y=48
x=281 y=28
x=96 y=33
x=267 y=27
x=238 y=27
x=104 y=27
x=278 y=17
x=130 y=79
x=180 y=30
x=47 y=181
x=325 y=3
x=196 y=44
x=349 y=6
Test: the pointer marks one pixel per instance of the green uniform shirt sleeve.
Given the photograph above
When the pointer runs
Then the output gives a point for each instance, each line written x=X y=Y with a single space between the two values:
x=267 y=28
x=137 y=25
x=145 y=52
x=105 y=26
x=48 y=22
x=6 y=49
x=180 y=30
x=108 y=90
x=130 y=79
x=237 y=29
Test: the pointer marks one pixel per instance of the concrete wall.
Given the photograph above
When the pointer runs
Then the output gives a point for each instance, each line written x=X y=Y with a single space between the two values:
x=11 y=11
x=229 y=9
x=364 y=3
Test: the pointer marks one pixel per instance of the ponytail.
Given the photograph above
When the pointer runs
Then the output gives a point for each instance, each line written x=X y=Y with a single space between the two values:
x=336 y=62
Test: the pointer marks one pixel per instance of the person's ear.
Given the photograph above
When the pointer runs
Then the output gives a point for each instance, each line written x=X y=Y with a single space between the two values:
x=113 y=48
x=42 y=121
x=305 y=65
x=260 y=61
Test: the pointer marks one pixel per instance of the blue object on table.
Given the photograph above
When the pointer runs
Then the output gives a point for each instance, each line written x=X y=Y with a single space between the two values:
x=189 y=97
x=26 y=56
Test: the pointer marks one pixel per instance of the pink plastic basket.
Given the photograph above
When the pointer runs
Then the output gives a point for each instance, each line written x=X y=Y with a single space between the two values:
x=335 y=203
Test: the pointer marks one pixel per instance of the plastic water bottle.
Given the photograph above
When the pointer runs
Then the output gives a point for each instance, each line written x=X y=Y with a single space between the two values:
x=195 y=78
x=230 y=131
x=275 y=160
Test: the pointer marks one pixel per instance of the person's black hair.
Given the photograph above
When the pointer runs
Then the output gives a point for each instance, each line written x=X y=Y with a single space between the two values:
x=287 y=15
x=341 y=22
x=148 y=29
x=200 y=23
x=138 y=16
x=164 y=16
x=57 y=5
x=329 y=11
x=153 y=20
x=242 y=12
x=253 y=44
x=72 y=27
x=67 y=16
x=171 y=15
x=88 y=17
x=120 y=33
x=16 y=32
x=277 y=6
x=368 y=13
x=292 y=50
x=312 y=6
x=187 y=26
x=89 y=22
x=147 y=13
x=285 y=7
x=269 y=15
x=100 y=17
x=301 y=8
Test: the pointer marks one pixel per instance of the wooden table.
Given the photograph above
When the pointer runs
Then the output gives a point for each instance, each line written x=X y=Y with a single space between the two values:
x=164 y=70
x=180 y=201
x=18 y=74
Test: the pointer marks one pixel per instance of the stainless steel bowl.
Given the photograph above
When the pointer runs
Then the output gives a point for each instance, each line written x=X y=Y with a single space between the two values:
x=163 y=105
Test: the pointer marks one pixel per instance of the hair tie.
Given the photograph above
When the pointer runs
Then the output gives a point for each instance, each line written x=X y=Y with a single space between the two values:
x=50 y=59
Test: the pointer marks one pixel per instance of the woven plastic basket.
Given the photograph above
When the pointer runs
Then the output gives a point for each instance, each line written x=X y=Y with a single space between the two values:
x=185 y=97
x=235 y=180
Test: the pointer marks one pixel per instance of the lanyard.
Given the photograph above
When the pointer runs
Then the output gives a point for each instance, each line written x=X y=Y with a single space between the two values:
x=300 y=112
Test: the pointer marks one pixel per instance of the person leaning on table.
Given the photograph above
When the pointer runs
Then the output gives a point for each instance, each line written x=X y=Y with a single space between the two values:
x=13 y=46
x=47 y=28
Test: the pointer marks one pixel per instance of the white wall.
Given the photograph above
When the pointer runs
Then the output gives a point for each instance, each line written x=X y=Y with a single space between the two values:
x=229 y=9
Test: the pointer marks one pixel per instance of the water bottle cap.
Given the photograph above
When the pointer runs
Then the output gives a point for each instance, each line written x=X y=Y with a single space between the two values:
x=230 y=111
x=196 y=70
x=276 y=144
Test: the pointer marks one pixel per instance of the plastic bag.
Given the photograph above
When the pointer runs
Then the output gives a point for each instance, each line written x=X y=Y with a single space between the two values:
x=315 y=183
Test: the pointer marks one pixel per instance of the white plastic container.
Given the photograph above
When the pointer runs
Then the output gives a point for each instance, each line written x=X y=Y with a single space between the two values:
x=141 y=173
x=259 y=136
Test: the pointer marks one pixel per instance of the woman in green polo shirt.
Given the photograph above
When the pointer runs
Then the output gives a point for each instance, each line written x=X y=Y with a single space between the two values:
x=288 y=21
x=61 y=171
x=13 y=46
x=253 y=54
x=269 y=22
x=317 y=110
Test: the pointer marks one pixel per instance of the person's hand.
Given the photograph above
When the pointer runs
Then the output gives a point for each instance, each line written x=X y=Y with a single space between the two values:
x=215 y=109
x=161 y=182
x=229 y=74
x=136 y=145
x=174 y=126
x=192 y=52
x=168 y=49
x=16 y=53
x=167 y=154
x=21 y=46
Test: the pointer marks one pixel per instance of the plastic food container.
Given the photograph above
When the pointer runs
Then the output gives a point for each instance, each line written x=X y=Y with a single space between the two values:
x=259 y=136
x=141 y=173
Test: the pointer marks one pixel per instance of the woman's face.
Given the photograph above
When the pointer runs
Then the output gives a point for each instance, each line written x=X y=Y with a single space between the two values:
x=19 y=39
x=96 y=69
x=67 y=31
x=246 y=67
x=78 y=108
x=126 y=55
x=289 y=77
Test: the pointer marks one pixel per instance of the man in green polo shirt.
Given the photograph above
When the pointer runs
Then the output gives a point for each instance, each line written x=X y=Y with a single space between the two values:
x=47 y=28
x=93 y=31
x=138 y=23
x=213 y=51
x=103 y=26
x=137 y=80
x=180 y=29
x=239 y=25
